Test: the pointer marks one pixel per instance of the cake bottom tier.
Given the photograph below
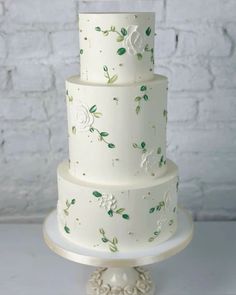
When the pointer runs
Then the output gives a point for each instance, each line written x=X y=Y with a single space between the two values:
x=114 y=218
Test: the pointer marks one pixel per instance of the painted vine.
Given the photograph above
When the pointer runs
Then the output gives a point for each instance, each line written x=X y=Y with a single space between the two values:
x=112 y=243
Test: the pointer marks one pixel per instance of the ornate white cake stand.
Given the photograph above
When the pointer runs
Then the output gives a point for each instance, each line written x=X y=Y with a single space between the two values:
x=120 y=273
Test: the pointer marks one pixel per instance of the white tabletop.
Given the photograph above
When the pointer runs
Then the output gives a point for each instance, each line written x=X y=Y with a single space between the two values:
x=206 y=267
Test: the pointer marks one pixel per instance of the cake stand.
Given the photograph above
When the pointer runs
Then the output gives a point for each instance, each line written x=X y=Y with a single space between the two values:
x=119 y=273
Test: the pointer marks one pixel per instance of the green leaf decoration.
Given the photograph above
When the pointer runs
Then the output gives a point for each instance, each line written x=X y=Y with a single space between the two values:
x=97 y=194
x=145 y=97
x=171 y=222
x=161 y=161
x=156 y=233
x=110 y=213
x=162 y=204
x=67 y=203
x=66 y=212
x=143 y=88
x=151 y=210
x=119 y=38
x=105 y=68
x=74 y=130
x=121 y=51
x=120 y=211
x=159 y=151
x=113 y=28
x=97 y=115
x=101 y=230
x=151 y=239
x=138 y=98
x=148 y=31
x=81 y=51
x=125 y=216
x=105 y=33
x=139 y=56
x=111 y=243
x=124 y=32
x=112 y=248
x=158 y=208
x=93 y=109
x=112 y=79
x=111 y=145
x=115 y=240
x=66 y=228
x=143 y=144
x=98 y=29
x=137 y=109
x=91 y=129
x=103 y=134
x=73 y=201
x=135 y=145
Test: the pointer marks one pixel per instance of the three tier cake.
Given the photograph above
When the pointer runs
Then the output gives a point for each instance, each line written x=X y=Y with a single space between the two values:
x=117 y=192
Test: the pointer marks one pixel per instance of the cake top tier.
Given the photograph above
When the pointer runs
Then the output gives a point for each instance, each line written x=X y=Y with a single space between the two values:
x=116 y=48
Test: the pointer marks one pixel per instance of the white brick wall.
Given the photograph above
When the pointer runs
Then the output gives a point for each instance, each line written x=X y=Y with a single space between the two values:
x=195 y=48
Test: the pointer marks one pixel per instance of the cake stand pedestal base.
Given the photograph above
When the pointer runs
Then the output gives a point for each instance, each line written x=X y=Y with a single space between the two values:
x=120 y=273
x=128 y=281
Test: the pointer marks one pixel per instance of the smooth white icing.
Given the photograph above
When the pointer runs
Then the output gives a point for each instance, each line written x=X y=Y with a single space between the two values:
x=118 y=192
x=89 y=213
x=116 y=116
x=102 y=35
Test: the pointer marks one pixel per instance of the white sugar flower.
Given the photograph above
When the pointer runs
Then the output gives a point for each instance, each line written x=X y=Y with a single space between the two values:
x=128 y=290
x=103 y=290
x=108 y=201
x=134 y=42
x=116 y=291
x=143 y=286
x=81 y=117
x=150 y=162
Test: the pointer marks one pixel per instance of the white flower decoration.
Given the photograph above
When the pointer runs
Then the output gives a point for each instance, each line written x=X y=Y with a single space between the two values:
x=103 y=290
x=145 y=276
x=134 y=42
x=108 y=202
x=82 y=119
x=116 y=291
x=96 y=283
x=96 y=275
x=128 y=290
x=150 y=162
x=143 y=286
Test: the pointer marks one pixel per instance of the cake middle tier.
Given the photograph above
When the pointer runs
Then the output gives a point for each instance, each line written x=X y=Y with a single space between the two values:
x=117 y=134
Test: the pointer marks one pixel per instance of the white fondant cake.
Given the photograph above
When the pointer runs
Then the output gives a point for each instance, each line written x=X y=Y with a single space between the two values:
x=118 y=192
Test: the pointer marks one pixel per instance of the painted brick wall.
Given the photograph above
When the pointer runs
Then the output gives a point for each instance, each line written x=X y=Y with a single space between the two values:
x=195 y=48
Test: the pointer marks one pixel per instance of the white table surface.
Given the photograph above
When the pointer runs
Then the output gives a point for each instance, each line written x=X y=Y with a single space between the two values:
x=206 y=267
